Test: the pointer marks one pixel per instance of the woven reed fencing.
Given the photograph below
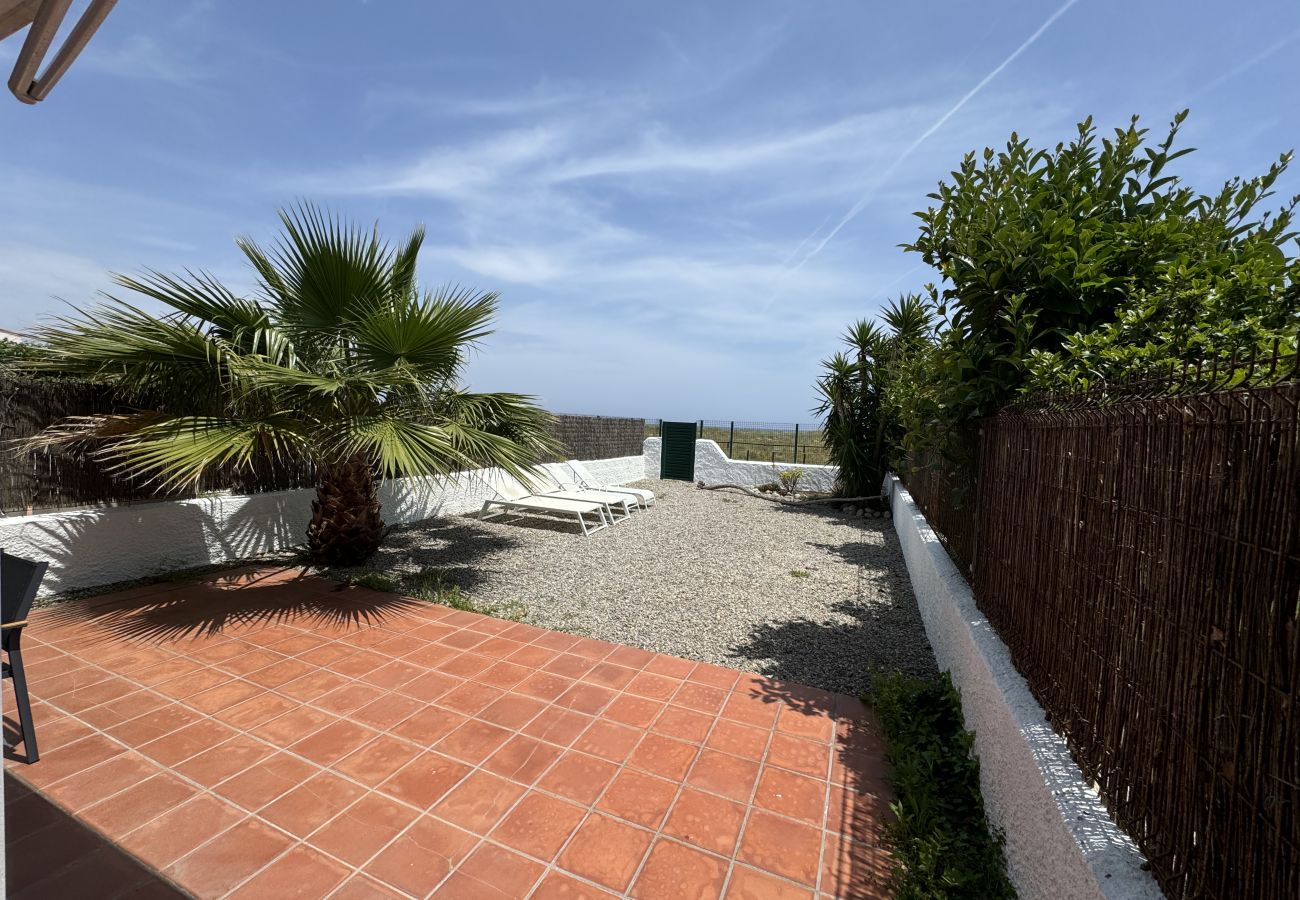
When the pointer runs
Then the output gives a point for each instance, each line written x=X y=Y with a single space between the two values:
x=44 y=480
x=1139 y=552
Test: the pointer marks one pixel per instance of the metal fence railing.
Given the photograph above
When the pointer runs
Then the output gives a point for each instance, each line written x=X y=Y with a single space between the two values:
x=1139 y=552
x=769 y=442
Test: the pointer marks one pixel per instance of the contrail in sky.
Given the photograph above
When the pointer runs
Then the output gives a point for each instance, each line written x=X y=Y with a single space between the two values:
x=1250 y=63
x=870 y=193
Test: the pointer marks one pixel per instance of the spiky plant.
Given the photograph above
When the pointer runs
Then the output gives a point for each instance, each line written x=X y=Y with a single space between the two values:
x=338 y=358
x=859 y=429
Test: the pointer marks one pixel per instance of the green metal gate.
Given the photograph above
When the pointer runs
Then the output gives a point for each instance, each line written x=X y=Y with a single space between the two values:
x=677 y=451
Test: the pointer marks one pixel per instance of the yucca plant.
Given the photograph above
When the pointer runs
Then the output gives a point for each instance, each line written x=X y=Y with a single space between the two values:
x=339 y=359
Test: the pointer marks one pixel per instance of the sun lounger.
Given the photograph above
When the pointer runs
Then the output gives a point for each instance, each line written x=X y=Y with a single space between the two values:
x=587 y=480
x=514 y=497
x=562 y=484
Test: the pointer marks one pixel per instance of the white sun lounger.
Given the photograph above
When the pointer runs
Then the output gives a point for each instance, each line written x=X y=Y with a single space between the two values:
x=562 y=484
x=587 y=480
x=514 y=497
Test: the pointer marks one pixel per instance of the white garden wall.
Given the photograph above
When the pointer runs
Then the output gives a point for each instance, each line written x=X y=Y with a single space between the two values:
x=713 y=466
x=1061 y=844
x=90 y=547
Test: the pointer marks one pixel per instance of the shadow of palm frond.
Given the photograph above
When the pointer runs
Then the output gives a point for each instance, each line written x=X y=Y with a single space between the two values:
x=167 y=612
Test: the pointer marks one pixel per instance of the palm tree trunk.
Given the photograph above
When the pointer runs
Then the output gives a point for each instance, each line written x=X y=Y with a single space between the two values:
x=346 y=528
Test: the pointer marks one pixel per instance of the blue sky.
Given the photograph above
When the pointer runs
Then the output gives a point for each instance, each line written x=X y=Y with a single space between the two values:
x=682 y=204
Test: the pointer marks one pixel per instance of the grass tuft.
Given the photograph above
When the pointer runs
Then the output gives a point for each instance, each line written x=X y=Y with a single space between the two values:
x=943 y=846
x=800 y=573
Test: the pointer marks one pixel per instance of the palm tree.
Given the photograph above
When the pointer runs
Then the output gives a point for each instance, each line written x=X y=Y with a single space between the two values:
x=338 y=359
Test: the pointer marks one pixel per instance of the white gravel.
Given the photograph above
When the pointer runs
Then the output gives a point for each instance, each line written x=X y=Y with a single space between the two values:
x=702 y=574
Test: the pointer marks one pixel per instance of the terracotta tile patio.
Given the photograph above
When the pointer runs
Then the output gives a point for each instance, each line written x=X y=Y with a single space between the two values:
x=267 y=734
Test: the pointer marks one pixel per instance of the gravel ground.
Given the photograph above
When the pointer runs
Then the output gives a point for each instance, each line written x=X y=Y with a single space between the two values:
x=705 y=575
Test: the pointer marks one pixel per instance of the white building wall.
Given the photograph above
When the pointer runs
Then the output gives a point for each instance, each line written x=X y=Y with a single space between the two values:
x=90 y=547
x=713 y=466
x=1061 y=844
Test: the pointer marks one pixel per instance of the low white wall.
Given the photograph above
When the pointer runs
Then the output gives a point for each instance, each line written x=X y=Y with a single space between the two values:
x=90 y=547
x=1061 y=844
x=713 y=466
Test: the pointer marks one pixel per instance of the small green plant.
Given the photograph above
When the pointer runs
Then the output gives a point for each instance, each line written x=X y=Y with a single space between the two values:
x=431 y=586
x=375 y=581
x=790 y=480
x=800 y=573
x=943 y=847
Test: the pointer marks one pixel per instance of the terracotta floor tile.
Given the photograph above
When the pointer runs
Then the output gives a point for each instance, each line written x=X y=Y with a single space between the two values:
x=491 y=872
x=188 y=741
x=721 y=773
x=301 y=873
x=250 y=662
x=639 y=798
x=503 y=675
x=861 y=770
x=360 y=831
x=333 y=742
x=700 y=697
x=257 y=786
x=610 y=675
x=279 y=673
x=123 y=709
x=393 y=675
x=539 y=825
x=592 y=648
x=656 y=687
x=533 y=657
x=638 y=712
x=559 y=886
x=473 y=742
x=738 y=739
x=138 y=804
x=478 y=802
x=522 y=759
x=714 y=676
x=84 y=698
x=71 y=759
x=102 y=781
x=498 y=647
x=428 y=725
x=327 y=654
x=470 y=697
x=424 y=780
x=851 y=869
x=351 y=696
x=789 y=794
x=429 y=686
x=664 y=756
x=363 y=887
x=579 y=777
x=750 y=710
x=554 y=640
x=462 y=640
x=310 y=805
x=606 y=851
x=222 y=696
x=256 y=710
x=387 y=711
x=180 y=830
x=569 y=665
x=298 y=644
x=377 y=760
x=150 y=726
x=706 y=821
x=312 y=685
x=558 y=726
x=675 y=871
x=683 y=724
x=633 y=657
x=781 y=846
x=512 y=711
x=751 y=884
x=221 y=864
x=810 y=758
x=861 y=816
x=609 y=740
x=358 y=663
x=544 y=686
x=53 y=733
x=293 y=726
x=418 y=860
x=671 y=666
x=812 y=724
x=211 y=767
x=431 y=655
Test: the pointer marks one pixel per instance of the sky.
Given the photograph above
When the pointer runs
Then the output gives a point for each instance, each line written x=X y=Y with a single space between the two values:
x=682 y=204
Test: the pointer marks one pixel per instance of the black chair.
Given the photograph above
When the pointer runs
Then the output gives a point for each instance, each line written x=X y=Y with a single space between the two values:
x=19 y=579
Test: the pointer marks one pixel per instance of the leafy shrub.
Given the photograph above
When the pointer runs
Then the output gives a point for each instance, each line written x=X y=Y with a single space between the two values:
x=1090 y=260
x=790 y=480
x=941 y=840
